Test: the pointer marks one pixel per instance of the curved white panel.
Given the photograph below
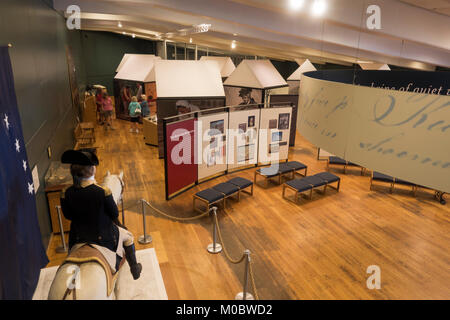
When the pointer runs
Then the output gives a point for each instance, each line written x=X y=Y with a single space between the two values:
x=402 y=134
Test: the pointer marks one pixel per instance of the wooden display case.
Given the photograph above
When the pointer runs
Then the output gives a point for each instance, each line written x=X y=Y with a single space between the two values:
x=150 y=132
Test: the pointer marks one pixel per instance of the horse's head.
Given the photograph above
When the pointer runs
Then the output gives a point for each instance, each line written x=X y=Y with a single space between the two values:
x=115 y=183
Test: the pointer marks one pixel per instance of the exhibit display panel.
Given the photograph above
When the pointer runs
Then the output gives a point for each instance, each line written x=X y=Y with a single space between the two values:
x=180 y=166
x=292 y=100
x=275 y=125
x=185 y=86
x=402 y=133
x=212 y=156
x=243 y=138
x=177 y=107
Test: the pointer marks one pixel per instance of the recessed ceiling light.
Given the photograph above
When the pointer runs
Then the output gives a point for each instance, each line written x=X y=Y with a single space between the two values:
x=235 y=34
x=233 y=44
x=318 y=7
x=119 y=24
x=124 y=32
x=133 y=35
x=296 y=4
x=190 y=40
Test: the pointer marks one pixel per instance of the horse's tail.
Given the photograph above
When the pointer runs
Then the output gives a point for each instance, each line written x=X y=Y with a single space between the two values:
x=83 y=282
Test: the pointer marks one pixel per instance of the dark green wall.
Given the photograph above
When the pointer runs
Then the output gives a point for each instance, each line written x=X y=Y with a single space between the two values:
x=103 y=51
x=39 y=37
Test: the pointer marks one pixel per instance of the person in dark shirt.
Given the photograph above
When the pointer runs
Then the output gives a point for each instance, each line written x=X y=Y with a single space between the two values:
x=94 y=214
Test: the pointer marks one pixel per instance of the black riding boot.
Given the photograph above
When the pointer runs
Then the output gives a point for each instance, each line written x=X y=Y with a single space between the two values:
x=130 y=255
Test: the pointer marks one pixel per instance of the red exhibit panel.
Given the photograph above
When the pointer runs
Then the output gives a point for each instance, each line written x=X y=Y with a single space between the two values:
x=181 y=169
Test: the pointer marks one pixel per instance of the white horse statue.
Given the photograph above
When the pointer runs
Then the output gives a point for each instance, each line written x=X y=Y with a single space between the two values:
x=88 y=280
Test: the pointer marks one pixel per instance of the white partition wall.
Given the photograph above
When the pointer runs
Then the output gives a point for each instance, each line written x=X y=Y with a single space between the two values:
x=242 y=143
x=212 y=145
x=274 y=141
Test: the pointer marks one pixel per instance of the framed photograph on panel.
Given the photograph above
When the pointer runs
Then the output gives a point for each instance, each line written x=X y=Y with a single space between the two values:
x=217 y=127
x=273 y=124
x=277 y=136
x=283 y=121
x=251 y=121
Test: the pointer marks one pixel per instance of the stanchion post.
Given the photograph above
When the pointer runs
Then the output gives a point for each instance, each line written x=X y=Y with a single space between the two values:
x=214 y=247
x=63 y=248
x=244 y=295
x=144 y=239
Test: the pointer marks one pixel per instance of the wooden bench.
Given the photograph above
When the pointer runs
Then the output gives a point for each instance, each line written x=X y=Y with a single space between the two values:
x=308 y=184
x=380 y=177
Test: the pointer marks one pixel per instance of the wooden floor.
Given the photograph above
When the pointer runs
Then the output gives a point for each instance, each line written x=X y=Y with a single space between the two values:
x=317 y=250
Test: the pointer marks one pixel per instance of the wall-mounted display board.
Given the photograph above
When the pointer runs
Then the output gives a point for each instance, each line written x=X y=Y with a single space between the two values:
x=291 y=99
x=243 y=138
x=275 y=128
x=402 y=132
x=250 y=81
x=294 y=79
x=180 y=167
x=212 y=157
x=185 y=86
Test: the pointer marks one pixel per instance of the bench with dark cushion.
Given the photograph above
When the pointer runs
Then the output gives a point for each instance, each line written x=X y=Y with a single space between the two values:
x=333 y=160
x=208 y=197
x=330 y=178
x=310 y=183
x=283 y=168
x=297 y=166
x=377 y=176
x=228 y=190
x=242 y=184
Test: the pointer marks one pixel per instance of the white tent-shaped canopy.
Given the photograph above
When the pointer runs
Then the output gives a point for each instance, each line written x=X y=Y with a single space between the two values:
x=187 y=78
x=259 y=74
x=128 y=55
x=305 y=66
x=137 y=67
x=226 y=65
x=374 y=66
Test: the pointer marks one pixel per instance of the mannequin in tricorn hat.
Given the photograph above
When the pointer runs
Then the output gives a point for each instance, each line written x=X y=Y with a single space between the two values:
x=94 y=214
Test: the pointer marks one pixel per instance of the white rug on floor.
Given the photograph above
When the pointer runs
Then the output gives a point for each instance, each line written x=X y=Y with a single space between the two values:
x=150 y=286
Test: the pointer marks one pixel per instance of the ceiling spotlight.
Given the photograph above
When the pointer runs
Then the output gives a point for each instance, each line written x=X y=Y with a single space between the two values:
x=235 y=34
x=133 y=35
x=318 y=7
x=119 y=24
x=190 y=40
x=296 y=4
x=233 y=44
x=124 y=32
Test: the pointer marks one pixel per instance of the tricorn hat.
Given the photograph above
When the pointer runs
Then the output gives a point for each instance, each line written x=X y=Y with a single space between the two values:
x=244 y=92
x=84 y=157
